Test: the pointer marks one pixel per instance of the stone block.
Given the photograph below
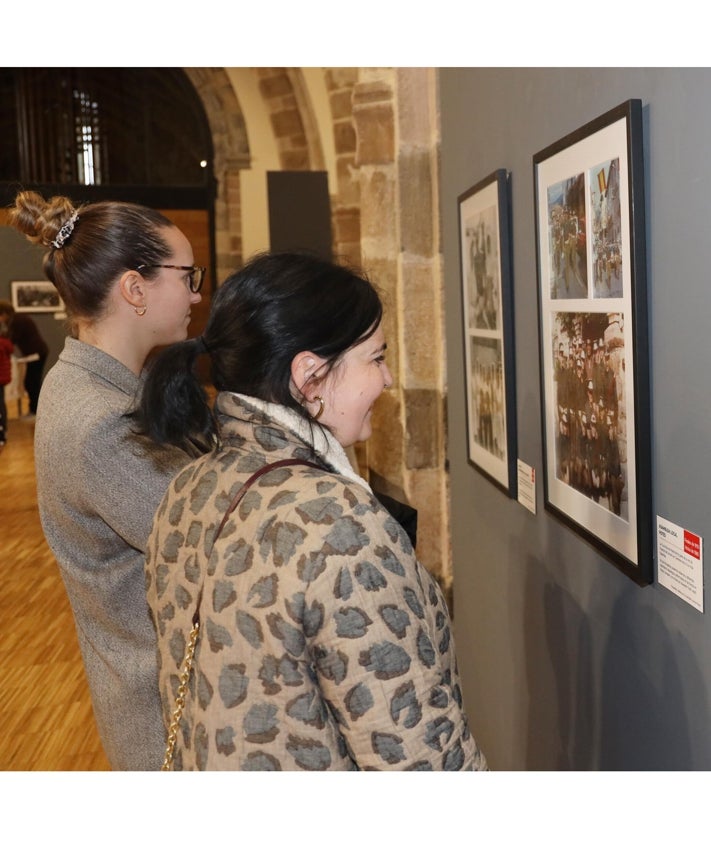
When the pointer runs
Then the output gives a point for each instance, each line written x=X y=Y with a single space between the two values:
x=422 y=341
x=417 y=111
x=417 y=222
x=423 y=425
x=295 y=160
x=368 y=93
x=375 y=130
x=287 y=123
x=377 y=207
x=341 y=77
x=341 y=104
x=274 y=84
x=385 y=444
x=344 y=137
x=348 y=180
x=346 y=224
x=427 y=492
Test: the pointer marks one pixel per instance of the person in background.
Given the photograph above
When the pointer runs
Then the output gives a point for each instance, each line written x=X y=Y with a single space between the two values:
x=322 y=643
x=26 y=337
x=6 y=349
x=127 y=279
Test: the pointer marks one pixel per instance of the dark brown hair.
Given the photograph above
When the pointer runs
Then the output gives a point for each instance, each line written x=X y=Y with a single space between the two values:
x=104 y=240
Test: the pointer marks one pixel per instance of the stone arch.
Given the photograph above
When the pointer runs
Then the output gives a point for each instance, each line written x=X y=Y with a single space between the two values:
x=231 y=154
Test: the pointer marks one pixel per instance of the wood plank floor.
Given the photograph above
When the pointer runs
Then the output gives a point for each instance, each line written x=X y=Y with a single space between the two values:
x=47 y=720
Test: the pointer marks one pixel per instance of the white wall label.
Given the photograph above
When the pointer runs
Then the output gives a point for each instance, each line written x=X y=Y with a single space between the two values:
x=527 y=486
x=680 y=562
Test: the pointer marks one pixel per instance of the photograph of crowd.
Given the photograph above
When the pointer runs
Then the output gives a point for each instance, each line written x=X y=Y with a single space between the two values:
x=487 y=416
x=589 y=381
x=606 y=229
x=567 y=238
x=483 y=269
x=487 y=307
x=35 y=296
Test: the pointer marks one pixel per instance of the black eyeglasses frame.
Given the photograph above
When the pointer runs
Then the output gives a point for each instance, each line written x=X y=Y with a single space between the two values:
x=193 y=285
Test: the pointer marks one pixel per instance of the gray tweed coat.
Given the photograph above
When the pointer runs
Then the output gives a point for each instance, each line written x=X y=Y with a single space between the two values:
x=98 y=487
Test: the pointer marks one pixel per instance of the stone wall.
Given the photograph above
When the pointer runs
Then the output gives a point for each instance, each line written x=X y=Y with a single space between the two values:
x=396 y=120
x=385 y=217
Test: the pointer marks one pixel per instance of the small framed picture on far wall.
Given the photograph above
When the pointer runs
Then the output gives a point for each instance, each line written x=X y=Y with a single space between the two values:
x=35 y=296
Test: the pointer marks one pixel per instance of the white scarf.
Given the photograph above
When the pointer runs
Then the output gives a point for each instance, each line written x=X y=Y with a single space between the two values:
x=327 y=448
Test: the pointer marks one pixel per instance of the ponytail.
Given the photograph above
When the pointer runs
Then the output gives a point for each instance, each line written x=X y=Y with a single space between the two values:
x=174 y=407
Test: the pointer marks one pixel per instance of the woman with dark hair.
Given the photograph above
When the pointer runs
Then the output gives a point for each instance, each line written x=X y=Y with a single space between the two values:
x=296 y=629
x=126 y=277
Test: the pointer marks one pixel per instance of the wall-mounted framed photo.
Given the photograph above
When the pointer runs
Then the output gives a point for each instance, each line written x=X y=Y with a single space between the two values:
x=487 y=306
x=590 y=230
x=35 y=296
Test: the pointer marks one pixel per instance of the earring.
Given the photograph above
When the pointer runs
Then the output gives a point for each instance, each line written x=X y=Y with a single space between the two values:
x=321 y=407
x=141 y=310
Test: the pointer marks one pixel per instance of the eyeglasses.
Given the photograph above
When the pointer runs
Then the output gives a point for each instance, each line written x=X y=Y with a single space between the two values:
x=196 y=274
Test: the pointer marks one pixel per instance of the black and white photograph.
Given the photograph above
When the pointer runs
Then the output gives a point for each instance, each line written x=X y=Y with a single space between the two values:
x=590 y=226
x=484 y=224
x=35 y=296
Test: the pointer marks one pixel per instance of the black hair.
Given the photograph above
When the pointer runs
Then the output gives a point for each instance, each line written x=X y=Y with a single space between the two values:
x=262 y=316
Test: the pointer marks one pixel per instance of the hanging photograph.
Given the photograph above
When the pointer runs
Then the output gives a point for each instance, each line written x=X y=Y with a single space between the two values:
x=485 y=243
x=590 y=237
x=35 y=296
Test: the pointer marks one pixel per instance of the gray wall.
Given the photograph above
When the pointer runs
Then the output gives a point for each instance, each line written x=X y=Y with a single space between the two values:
x=20 y=260
x=568 y=664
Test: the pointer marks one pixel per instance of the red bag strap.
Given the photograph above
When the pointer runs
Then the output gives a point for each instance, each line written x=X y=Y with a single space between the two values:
x=285 y=462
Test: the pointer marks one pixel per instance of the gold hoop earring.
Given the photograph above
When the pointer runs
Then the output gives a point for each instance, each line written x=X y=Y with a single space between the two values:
x=141 y=310
x=321 y=407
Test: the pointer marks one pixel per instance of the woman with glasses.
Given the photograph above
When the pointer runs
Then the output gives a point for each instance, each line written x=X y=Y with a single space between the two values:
x=125 y=275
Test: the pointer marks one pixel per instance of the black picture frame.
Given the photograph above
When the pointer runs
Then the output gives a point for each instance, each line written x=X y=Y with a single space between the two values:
x=487 y=307
x=594 y=352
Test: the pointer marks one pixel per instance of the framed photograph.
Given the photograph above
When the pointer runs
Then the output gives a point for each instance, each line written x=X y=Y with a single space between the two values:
x=487 y=305
x=590 y=231
x=35 y=296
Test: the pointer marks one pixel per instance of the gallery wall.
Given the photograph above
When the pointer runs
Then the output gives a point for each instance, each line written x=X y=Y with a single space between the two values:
x=567 y=663
x=20 y=260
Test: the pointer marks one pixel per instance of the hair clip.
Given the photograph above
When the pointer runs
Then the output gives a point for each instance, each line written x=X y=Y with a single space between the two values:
x=65 y=231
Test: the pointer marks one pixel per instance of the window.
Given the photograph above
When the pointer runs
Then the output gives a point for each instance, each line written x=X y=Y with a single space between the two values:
x=102 y=126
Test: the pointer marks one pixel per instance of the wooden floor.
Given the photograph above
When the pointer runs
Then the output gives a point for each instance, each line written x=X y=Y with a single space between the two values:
x=47 y=720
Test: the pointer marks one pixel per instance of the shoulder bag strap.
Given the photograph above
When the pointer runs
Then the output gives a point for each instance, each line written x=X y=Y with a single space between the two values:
x=195 y=630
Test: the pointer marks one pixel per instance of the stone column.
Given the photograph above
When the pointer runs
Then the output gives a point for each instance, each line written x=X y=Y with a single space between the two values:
x=397 y=132
x=346 y=198
x=228 y=219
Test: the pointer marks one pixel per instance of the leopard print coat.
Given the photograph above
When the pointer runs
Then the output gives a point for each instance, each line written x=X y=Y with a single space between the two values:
x=324 y=644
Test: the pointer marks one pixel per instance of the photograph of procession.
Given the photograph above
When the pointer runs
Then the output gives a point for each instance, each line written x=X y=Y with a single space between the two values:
x=568 y=234
x=591 y=438
x=593 y=335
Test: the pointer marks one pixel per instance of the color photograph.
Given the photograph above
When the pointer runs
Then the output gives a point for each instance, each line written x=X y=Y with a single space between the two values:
x=590 y=242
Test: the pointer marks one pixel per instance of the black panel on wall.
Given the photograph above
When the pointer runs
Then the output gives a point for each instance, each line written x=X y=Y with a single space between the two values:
x=299 y=212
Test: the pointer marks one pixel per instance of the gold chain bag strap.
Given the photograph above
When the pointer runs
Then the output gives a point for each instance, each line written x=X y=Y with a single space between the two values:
x=195 y=630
